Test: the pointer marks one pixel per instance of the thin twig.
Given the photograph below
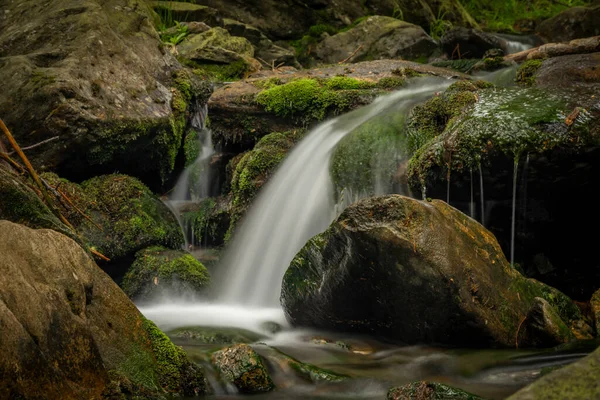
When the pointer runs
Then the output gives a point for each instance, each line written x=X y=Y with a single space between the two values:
x=351 y=55
x=33 y=174
x=33 y=146
x=98 y=254
x=456 y=50
x=517 y=334
x=12 y=162
x=78 y=209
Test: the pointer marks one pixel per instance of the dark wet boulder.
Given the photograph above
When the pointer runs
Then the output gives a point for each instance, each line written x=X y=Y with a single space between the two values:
x=414 y=272
x=576 y=381
x=543 y=327
x=376 y=38
x=159 y=271
x=207 y=221
x=95 y=78
x=460 y=43
x=429 y=391
x=572 y=23
x=242 y=366
x=68 y=331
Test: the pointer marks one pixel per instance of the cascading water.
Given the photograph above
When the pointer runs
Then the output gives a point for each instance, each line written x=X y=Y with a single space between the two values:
x=194 y=182
x=296 y=204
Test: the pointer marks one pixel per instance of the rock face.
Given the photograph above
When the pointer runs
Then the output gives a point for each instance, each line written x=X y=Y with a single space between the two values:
x=575 y=381
x=573 y=23
x=216 y=46
x=543 y=327
x=412 y=271
x=376 y=38
x=595 y=303
x=242 y=366
x=69 y=332
x=91 y=73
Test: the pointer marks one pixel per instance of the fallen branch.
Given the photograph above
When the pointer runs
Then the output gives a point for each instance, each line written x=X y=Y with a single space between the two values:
x=78 y=209
x=351 y=55
x=33 y=174
x=33 y=146
x=456 y=50
x=518 y=330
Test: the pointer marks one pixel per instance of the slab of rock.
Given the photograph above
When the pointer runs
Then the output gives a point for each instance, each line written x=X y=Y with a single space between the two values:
x=68 y=331
x=376 y=38
x=414 y=272
x=93 y=74
x=461 y=43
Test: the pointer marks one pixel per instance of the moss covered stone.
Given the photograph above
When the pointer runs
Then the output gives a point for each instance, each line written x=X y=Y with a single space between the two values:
x=595 y=304
x=366 y=160
x=126 y=216
x=527 y=70
x=308 y=99
x=543 y=327
x=256 y=167
x=242 y=366
x=176 y=374
x=208 y=220
x=158 y=269
x=429 y=391
x=501 y=121
x=215 y=335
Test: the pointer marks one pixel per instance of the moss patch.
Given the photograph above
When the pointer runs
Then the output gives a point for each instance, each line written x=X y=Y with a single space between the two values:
x=159 y=268
x=527 y=70
x=209 y=221
x=429 y=391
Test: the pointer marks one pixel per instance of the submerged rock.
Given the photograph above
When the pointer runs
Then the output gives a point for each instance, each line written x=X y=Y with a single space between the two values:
x=94 y=76
x=429 y=391
x=576 y=381
x=376 y=38
x=68 y=331
x=415 y=272
x=242 y=366
x=157 y=271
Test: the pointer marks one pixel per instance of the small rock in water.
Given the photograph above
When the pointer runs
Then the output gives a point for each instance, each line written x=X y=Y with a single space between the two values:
x=241 y=365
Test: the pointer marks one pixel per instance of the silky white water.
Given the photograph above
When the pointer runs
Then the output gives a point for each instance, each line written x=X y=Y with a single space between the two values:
x=296 y=204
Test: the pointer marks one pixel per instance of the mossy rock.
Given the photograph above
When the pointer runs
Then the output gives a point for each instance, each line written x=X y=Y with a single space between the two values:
x=507 y=122
x=419 y=254
x=429 y=391
x=366 y=160
x=242 y=366
x=126 y=216
x=214 y=335
x=308 y=99
x=19 y=203
x=595 y=304
x=527 y=70
x=207 y=221
x=160 y=270
x=256 y=167
x=543 y=327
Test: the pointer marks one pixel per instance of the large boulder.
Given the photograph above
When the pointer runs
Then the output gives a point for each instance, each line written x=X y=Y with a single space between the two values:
x=415 y=272
x=572 y=23
x=68 y=331
x=461 y=43
x=376 y=38
x=94 y=77
x=576 y=381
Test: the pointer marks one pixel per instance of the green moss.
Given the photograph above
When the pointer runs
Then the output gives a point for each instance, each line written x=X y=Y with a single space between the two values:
x=256 y=167
x=223 y=72
x=369 y=156
x=139 y=369
x=317 y=30
x=268 y=83
x=391 y=82
x=191 y=147
x=158 y=267
x=210 y=335
x=527 y=70
x=310 y=99
x=208 y=221
x=39 y=79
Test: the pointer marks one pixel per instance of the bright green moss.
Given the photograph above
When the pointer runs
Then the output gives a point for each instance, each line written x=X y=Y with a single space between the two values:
x=158 y=267
x=346 y=83
x=527 y=70
x=208 y=221
x=191 y=147
x=222 y=72
x=391 y=82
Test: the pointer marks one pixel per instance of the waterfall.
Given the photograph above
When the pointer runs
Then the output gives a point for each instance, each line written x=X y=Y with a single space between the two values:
x=194 y=182
x=296 y=204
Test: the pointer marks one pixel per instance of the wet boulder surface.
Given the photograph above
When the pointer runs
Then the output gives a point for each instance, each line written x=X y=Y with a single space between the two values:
x=414 y=272
x=69 y=332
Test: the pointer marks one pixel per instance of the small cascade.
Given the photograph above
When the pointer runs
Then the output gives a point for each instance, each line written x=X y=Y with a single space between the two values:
x=481 y=196
x=194 y=183
x=513 y=214
x=296 y=204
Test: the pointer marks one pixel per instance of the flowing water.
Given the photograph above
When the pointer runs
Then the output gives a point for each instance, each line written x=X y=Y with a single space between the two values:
x=297 y=203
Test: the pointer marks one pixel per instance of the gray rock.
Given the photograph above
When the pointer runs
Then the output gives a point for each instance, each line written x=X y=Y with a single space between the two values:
x=573 y=23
